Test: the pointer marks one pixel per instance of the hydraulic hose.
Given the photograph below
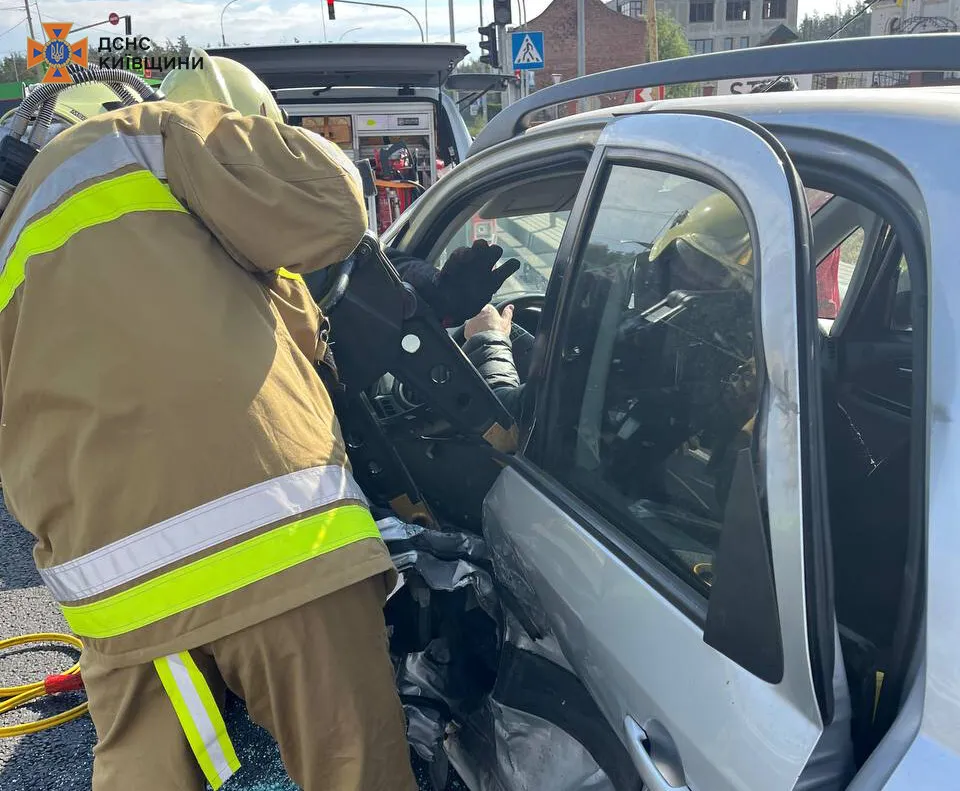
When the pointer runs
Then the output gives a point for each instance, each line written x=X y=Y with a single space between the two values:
x=47 y=92
x=14 y=697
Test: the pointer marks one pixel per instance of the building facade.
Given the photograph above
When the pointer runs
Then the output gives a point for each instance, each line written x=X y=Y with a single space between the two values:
x=914 y=16
x=611 y=42
x=715 y=25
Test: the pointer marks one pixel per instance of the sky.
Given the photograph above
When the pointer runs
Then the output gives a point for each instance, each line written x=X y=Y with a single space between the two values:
x=270 y=21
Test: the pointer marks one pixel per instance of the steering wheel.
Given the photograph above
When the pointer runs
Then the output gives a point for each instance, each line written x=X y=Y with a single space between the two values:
x=327 y=286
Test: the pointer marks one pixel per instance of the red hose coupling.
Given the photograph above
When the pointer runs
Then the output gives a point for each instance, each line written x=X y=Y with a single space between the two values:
x=63 y=682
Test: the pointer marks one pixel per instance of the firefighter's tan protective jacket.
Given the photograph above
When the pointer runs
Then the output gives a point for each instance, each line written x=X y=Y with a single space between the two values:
x=164 y=434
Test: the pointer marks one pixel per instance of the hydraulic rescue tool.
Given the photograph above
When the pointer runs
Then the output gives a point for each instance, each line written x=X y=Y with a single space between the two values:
x=368 y=299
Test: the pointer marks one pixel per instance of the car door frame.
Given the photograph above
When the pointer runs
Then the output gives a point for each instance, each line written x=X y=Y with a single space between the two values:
x=662 y=581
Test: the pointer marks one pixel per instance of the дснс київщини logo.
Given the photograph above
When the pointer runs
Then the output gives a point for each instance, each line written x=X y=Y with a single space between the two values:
x=57 y=52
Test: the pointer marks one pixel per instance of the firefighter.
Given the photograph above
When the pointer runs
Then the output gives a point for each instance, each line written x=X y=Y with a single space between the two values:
x=709 y=248
x=166 y=439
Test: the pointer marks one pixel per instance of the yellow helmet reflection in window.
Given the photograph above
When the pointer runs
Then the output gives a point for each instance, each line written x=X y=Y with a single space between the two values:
x=716 y=228
x=224 y=81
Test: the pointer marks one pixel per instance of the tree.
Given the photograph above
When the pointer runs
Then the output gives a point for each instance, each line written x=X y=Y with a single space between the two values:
x=13 y=68
x=817 y=26
x=471 y=66
x=672 y=43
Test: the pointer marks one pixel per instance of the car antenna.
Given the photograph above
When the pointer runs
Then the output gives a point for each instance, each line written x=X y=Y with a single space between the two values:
x=866 y=7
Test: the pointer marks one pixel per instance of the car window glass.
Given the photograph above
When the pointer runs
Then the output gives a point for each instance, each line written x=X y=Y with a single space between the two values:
x=533 y=239
x=656 y=390
x=834 y=273
x=902 y=320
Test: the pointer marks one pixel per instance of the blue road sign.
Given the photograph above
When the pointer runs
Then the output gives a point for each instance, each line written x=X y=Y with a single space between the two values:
x=527 y=50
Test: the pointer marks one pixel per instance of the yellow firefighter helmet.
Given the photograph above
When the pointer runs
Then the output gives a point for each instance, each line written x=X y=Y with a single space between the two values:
x=716 y=228
x=224 y=81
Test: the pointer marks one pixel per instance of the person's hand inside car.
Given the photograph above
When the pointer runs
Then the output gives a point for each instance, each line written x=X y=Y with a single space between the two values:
x=489 y=320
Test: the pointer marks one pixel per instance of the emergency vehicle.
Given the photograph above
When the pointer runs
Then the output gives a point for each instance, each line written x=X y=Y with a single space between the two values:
x=383 y=104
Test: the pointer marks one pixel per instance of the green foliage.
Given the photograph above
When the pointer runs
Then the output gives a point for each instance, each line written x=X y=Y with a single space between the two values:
x=13 y=68
x=471 y=66
x=817 y=26
x=672 y=43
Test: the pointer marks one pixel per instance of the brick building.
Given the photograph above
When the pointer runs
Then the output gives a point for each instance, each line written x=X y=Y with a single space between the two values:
x=612 y=40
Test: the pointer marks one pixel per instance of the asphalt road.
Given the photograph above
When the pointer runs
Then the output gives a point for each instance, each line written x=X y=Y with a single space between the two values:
x=61 y=759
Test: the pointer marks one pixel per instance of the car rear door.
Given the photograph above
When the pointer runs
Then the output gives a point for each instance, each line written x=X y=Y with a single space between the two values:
x=664 y=518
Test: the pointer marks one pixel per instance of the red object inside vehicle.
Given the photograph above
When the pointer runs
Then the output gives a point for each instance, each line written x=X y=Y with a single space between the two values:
x=828 y=286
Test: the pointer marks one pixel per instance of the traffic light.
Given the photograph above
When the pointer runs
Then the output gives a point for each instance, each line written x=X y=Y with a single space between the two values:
x=330 y=13
x=488 y=43
x=502 y=14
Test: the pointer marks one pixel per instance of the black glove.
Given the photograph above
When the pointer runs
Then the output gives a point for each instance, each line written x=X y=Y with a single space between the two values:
x=466 y=283
x=469 y=280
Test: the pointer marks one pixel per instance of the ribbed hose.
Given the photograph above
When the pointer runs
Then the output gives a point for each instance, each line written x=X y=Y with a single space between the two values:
x=126 y=99
x=40 y=126
x=47 y=93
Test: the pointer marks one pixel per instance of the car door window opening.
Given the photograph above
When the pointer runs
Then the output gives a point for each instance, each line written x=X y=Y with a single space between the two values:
x=651 y=411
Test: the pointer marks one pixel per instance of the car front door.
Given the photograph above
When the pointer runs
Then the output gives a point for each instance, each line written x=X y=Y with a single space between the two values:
x=664 y=517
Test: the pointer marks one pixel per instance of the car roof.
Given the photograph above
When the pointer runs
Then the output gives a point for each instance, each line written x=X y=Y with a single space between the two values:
x=933 y=103
x=918 y=52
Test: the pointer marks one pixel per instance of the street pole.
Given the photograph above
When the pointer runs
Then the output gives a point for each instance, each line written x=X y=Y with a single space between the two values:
x=652 y=31
x=223 y=36
x=506 y=64
x=426 y=19
x=26 y=5
x=407 y=11
x=450 y=5
x=581 y=48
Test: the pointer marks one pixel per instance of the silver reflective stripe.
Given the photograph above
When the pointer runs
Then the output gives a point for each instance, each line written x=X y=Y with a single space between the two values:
x=193 y=531
x=98 y=159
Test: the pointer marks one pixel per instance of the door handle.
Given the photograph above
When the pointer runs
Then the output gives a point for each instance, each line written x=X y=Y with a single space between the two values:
x=652 y=775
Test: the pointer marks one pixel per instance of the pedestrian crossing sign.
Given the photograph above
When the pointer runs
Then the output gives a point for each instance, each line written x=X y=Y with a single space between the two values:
x=527 y=47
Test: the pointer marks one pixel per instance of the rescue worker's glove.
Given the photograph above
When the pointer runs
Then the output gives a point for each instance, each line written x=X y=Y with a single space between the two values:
x=466 y=283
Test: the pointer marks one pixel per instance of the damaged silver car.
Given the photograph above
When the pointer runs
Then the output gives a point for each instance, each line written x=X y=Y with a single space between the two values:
x=714 y=546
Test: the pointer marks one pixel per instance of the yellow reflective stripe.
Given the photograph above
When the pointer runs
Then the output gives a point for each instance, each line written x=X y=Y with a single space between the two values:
x=103 y=202
x=199 y=717
x=224 y=572
x=289 y=275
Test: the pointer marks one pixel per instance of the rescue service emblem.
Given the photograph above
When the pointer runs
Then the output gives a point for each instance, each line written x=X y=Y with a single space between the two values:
x=57 y=52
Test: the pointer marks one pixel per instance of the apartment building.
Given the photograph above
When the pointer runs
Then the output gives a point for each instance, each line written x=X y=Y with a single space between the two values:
x=714 y=25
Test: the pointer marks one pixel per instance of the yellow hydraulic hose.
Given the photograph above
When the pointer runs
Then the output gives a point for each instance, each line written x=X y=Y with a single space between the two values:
x=14 y=697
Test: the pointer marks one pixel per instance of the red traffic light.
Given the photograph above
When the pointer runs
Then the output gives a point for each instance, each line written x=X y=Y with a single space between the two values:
x=114 y=18
x=330 y=9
